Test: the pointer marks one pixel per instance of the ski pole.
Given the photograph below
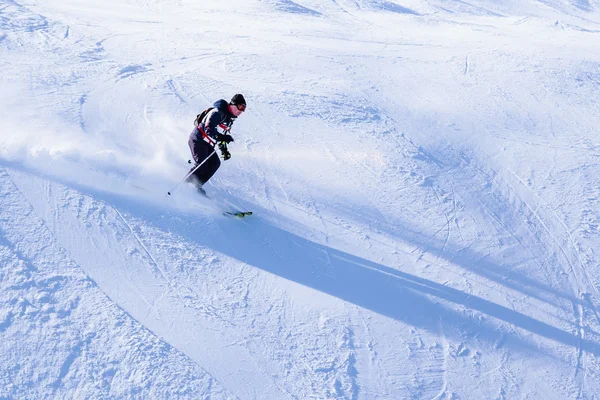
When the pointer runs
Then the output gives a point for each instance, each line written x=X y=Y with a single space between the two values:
x=191 y=172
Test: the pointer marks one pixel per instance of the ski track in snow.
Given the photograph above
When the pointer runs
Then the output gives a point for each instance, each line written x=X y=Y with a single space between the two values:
x=74 y=355
x=424 y=211
x=152 y=301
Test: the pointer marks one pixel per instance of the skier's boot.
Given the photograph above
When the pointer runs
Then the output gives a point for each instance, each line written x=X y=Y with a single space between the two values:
x=201 y=191
x=193 y=179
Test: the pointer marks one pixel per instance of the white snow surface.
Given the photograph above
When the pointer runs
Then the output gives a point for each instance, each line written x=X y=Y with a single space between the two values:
x=424 y=177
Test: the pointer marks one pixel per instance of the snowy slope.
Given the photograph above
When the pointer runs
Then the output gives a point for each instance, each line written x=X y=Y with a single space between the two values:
x=424 y=177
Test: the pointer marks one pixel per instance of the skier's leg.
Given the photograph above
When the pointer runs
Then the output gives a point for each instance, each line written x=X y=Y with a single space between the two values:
x=200 y=151
x=209 y=168
x=198 y=154
x=194 y=149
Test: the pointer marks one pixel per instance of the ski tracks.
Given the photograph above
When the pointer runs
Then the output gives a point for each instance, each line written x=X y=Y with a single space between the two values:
x=67 y=308
x=113 y=254
x=554 y=237
x=444 y=367
x=548 y=234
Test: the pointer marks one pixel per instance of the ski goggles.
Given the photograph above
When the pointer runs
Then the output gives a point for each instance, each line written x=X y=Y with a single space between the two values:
x=241 y=107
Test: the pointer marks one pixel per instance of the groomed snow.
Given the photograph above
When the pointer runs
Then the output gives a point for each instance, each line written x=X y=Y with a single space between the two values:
x=424 y=177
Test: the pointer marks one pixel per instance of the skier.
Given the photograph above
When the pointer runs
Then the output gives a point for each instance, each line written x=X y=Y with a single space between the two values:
x=205 y=137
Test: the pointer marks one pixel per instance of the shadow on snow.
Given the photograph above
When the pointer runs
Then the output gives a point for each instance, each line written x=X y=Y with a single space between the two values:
x=384 y=290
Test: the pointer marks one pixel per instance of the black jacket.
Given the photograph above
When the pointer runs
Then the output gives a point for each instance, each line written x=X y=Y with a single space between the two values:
x=218 y=115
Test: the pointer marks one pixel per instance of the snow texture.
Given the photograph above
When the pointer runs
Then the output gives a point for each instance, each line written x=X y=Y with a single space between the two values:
x=424 y=177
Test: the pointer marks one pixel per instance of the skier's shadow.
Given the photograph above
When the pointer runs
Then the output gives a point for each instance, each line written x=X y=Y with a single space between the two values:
x=384 y=290
x=381 y=289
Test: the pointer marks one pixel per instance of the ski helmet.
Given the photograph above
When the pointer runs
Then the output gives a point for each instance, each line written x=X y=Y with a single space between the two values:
x=238 y=100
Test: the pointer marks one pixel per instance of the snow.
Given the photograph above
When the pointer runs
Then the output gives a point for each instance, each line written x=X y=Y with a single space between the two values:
x=424 y=177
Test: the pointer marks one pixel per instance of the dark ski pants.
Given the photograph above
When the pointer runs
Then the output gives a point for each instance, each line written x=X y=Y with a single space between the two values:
x=200 y=151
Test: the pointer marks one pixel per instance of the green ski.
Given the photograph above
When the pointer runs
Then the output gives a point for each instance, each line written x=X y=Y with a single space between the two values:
x=239 y=214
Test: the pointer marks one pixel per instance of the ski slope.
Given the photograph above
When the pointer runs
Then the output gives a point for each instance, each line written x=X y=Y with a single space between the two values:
x=424 y=177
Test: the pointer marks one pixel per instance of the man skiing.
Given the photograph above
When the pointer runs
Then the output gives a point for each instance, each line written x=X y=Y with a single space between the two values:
x=205 y=138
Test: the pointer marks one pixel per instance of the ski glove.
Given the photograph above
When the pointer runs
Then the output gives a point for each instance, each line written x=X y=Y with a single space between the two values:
x=223 y=138
x=224 y=152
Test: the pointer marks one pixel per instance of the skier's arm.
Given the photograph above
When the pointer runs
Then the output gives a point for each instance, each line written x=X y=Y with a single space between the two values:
x=213 y=120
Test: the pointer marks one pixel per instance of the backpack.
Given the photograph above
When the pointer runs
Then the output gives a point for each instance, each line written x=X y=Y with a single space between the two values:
x=200 y=117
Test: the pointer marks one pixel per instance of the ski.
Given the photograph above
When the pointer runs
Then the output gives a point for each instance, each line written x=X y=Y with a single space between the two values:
x=239 y=214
